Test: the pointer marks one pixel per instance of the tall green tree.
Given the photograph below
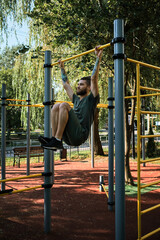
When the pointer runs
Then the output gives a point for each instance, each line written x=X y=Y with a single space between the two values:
x=13 y=114
x=7 y=63
x=87 y=23
x=15 y=10
x=91 y=22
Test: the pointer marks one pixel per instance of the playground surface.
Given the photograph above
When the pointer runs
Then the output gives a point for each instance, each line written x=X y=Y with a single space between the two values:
x=79 y=211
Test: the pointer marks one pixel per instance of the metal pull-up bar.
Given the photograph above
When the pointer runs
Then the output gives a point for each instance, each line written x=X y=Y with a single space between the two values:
x=82 y=54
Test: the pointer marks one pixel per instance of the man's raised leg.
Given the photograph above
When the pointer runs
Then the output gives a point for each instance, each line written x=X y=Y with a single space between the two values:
x=60 y=120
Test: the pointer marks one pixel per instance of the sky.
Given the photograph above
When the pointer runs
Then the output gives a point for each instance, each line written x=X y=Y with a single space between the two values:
x=21 y=36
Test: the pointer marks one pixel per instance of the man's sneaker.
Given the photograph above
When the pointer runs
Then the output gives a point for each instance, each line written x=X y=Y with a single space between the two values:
x=44 y=140
x=53 y=144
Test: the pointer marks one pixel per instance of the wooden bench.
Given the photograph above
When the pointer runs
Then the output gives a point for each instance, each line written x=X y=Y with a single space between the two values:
x=21 y=152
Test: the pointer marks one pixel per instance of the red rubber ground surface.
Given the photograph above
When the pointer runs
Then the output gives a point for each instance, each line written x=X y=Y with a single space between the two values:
x=79 y=211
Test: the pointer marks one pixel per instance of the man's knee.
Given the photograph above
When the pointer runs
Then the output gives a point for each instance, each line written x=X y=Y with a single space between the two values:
x=65 y=105
x=55 y=107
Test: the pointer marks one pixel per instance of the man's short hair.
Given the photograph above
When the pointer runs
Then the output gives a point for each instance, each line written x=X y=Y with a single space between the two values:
x=87 y=79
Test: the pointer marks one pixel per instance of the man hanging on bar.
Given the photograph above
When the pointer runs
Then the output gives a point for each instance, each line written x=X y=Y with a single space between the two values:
x=73 y=125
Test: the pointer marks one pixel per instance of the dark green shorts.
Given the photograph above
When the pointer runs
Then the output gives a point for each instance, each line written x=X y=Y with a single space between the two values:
x=74 y=134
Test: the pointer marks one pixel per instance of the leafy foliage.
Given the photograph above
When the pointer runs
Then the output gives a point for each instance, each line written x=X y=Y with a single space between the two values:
x=15 y=9
x=68 y=27
x=12 y=114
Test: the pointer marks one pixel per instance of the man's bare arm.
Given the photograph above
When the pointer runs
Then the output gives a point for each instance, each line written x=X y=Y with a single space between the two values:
x=95 y=73
x=65 y=81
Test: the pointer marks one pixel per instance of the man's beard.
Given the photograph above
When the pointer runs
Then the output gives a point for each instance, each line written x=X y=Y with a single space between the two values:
x=82 y=92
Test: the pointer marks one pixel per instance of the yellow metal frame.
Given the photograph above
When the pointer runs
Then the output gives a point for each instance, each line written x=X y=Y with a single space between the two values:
x=105 y=190
x=144 y=95
x=19 y=178
x=100 y=105
x=81 y=54
x=143 y=64
x=16 y=100
x=22 y=190
x=22 y=177
x=22 y=105
x=138 y=150
x=139 y=137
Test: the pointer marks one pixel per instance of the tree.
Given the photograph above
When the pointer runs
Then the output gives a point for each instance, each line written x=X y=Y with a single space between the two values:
x=88 y=23
x=12 y=114
x=7 y=62
x=15 y=9
x=91 y=22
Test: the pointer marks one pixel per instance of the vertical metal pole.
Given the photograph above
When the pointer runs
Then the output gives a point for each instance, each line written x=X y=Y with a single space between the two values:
x=119 y=130
x=138 y=151
x=3 y=136
x=92 y=145
x=28 y=135
x=101 y=181
x=47 y=153
x=110 y=145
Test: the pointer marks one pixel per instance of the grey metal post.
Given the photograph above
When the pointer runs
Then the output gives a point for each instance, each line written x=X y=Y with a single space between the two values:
x=119 y=130
x=3 y=136
x=101 y=181
x=92 y=145
x=28 y=135
x=110 y=146
x=47 y=153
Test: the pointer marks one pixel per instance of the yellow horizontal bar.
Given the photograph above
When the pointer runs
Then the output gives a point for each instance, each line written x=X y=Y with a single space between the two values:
x=127 y=97
x=144 y=95
x=100 y=105
x=17 y=100
x=150 y=89
x=143 y=64
x=105 y=190
x=21 y=105
x=35 y=105
x=27 y=189
x=150 y=95
x=70 y=103
x=21 y=190
x=81 y=54
x=150 y=209
x=149 y=112
x=150 y=184
x=22 y=177
x=150 y=160
x=150 y=136
x=150 y=234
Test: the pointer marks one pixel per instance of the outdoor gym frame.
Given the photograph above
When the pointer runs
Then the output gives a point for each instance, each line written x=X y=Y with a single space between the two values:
x=118 y=42
x=118 y=57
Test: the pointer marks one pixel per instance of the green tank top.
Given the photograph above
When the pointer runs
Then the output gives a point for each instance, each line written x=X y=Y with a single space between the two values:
x=85 y=109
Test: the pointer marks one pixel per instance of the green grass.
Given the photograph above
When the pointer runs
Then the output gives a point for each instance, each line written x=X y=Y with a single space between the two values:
x=74 y=155
x=131 y=191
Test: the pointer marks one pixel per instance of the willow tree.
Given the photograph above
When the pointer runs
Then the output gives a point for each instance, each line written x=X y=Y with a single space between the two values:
x=91 y=22
x=15 y=10
x=88 y=23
